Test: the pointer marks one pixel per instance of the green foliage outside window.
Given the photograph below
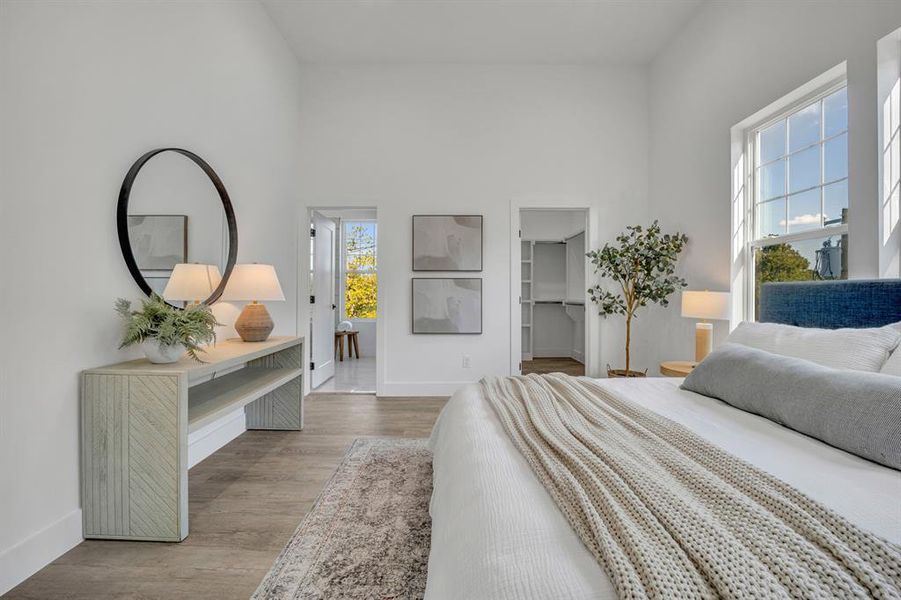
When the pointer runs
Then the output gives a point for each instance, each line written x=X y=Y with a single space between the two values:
x=779 y=262
x=361 y=280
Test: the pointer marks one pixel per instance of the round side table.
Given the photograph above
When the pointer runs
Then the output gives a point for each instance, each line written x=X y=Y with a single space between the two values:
x=677 y=368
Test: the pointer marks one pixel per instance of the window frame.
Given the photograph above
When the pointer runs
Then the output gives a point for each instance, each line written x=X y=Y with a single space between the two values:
x=751 y=166
x=342 y=279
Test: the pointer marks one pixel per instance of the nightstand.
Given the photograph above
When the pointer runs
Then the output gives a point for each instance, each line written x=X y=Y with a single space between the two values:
x=677 y=368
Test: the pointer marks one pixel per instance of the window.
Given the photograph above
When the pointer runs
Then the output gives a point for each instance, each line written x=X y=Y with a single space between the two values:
x=799 y=188
x=360 y=280
x=891 y=160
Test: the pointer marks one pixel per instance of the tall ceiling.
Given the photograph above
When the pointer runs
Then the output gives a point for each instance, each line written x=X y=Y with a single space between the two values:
x=626 y=32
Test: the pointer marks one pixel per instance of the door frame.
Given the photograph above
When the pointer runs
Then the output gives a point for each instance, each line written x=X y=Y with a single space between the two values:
x=303 y=287
x=592 y=239
x=336 y=236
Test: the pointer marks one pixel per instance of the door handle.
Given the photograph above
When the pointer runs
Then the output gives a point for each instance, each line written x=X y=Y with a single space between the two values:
x=334 y=306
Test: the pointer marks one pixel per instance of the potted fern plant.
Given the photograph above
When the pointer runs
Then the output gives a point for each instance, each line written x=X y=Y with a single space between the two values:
x=642 y=265
x=164 y=332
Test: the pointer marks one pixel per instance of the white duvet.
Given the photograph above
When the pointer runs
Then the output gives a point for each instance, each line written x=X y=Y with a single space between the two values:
x=497 y=534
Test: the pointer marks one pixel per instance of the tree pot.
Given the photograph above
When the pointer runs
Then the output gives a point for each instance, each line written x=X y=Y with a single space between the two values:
x=624 y=373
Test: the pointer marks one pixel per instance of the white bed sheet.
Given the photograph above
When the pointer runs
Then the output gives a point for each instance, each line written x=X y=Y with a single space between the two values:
x=497 y=534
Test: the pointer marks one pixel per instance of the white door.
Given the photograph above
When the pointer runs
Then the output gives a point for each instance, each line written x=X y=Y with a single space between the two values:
x=322 y=346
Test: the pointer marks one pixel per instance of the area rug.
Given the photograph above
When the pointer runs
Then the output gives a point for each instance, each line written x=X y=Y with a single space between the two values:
x=368 y=535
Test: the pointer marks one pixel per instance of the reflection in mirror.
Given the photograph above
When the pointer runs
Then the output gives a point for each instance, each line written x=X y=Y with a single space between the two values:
x=175 y=216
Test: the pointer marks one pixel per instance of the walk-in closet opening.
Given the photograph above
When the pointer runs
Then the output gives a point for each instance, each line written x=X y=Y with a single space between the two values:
x=553 y=290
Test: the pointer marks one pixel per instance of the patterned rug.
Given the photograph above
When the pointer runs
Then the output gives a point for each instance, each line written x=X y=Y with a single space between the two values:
x=369 y=533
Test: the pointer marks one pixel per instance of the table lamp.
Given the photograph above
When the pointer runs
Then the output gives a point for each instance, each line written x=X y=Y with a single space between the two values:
x=253 y=283
x=192 y=282
x=705 y=306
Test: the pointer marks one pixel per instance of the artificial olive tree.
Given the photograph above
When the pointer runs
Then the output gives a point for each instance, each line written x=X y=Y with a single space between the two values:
x=643 y=265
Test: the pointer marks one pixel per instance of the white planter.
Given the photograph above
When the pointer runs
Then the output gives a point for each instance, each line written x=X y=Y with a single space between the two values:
x=159 y=354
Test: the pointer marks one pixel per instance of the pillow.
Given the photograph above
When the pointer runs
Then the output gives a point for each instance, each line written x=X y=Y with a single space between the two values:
x=856 y=411
x=893 y=365
x=858 y=349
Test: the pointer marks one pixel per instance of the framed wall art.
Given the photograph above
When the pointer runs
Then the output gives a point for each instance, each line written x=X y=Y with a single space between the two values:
x=445 y=305
x=447 y=243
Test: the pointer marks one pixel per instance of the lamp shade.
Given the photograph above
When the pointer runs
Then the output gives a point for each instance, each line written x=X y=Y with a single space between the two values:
x=253 y=282
x=192 y=282
x=706 y=305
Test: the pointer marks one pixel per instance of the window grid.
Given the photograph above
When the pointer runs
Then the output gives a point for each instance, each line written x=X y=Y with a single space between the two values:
x=787 y=154
x=891 y=165
x=347 y=272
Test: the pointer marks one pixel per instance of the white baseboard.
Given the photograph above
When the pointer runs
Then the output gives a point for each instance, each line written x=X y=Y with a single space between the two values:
x=210 y=438
x=24 y=559
x=551 y=352
x=422 y=388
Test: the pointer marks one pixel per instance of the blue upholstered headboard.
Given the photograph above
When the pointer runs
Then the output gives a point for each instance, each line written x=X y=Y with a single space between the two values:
x=832 y=304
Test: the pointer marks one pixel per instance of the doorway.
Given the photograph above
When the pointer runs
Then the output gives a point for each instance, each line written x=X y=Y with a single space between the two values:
x=344 y=305
x=552 y=290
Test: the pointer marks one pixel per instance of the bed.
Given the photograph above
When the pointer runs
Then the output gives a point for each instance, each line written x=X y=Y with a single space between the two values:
x=497 y=533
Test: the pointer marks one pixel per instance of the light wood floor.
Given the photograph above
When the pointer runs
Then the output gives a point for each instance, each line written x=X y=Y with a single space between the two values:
x=553 y=365
x=245 y=502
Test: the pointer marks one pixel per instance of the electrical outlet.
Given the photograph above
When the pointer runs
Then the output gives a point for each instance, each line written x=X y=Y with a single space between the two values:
x=467 y=361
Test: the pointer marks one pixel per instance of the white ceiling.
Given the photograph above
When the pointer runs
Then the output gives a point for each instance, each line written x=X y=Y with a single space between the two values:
x=479 y=31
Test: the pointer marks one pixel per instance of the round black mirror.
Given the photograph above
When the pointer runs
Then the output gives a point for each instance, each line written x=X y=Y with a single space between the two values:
x=172 y=216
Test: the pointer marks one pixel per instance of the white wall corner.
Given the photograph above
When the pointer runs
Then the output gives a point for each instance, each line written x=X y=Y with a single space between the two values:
x=27 y=557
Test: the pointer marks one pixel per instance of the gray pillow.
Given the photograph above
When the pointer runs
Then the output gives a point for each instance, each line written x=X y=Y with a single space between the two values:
x=856 y=411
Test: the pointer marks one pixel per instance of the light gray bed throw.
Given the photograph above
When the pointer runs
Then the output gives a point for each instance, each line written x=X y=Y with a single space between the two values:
x=856 y=411
x=669 y=515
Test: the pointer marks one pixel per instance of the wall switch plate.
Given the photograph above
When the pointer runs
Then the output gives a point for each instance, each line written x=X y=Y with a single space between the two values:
x=467 y=361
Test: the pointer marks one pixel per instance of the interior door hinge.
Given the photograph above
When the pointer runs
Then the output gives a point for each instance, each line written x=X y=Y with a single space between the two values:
x=520 y=367
x=312 y=366
x=520 y=299
x=312 y=299
x=520 y=233
x=312 y=232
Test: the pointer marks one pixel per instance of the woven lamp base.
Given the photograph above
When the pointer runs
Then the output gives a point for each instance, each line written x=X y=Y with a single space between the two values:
x=254 y=323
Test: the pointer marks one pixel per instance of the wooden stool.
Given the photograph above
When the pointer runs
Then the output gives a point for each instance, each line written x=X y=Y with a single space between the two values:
x=353 y=344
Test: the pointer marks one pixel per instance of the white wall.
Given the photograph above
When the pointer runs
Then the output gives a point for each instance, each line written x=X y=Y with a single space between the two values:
x=733 y=59
x=467 y=139
x=86 y=88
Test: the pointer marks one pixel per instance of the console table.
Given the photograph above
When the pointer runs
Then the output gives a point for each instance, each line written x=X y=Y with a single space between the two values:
x=135 y=420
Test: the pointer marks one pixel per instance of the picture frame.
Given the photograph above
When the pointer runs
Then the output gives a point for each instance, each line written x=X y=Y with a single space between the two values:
x=448 y=243
x=446 y=305
x=158 y=242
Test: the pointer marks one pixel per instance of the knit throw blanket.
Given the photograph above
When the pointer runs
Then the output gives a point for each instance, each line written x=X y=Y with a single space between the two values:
x=669 y=515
